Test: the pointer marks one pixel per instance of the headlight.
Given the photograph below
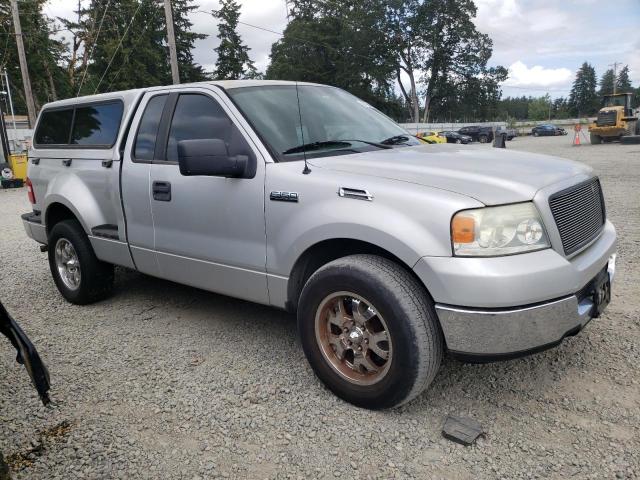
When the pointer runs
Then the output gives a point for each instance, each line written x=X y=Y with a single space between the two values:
x=494 y=231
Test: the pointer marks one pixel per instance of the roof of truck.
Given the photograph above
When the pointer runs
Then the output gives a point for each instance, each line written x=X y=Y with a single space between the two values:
x=130 y=95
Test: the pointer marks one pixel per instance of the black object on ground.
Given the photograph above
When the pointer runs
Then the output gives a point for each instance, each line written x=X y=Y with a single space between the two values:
x=461 y=430
x=13 y=183
x=630 y=140
x=27 y=354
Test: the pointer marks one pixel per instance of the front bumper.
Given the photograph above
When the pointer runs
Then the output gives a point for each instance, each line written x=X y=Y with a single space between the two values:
x=518 y=304
x=495 y=334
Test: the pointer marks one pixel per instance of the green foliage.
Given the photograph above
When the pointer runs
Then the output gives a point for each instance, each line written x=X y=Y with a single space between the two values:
x=48 y=79
x=185 y=41
x=583 y=99
x=233 y=61
x=623 y=83
x=540 y=108
x=606 y=83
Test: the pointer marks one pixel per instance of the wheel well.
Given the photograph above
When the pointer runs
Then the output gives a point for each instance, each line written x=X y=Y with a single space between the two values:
x=56 y=213
x=324 y=252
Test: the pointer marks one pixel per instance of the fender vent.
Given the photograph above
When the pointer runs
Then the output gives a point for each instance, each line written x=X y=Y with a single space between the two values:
x=356 y=193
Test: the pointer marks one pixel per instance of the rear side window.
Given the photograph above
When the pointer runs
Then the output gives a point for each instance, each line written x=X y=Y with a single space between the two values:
x=97 y=125
x=148 y=131
x=54 y=127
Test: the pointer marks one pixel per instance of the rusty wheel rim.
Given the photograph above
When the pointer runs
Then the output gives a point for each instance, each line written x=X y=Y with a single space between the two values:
x=353 y=338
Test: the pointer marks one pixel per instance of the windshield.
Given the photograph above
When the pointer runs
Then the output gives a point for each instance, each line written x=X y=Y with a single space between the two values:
x=329 y=122
x=615 y=101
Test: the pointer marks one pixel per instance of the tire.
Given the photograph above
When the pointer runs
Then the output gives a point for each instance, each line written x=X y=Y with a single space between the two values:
x=94 y=279
x=535 y=134
x=595 y=139
x=483 y=139
x=401 y=307
x=458 y=141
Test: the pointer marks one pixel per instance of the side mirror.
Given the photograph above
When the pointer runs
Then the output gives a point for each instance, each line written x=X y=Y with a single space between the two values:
x=210 y=157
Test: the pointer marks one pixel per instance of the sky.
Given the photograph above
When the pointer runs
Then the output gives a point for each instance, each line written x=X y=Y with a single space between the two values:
x=541 y=42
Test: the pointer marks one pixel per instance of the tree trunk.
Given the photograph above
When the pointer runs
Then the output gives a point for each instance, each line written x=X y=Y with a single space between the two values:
x=414 y=97
x=427 y=104
x=52 y=86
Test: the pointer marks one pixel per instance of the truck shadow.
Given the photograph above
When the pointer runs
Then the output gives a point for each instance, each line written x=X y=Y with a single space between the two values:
x=177 y=309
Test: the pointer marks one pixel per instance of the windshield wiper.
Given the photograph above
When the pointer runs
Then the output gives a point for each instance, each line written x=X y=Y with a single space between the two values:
x=330 y=143
x=395 y=140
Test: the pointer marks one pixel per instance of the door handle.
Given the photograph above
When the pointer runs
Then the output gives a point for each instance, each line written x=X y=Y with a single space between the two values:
x=161 y=191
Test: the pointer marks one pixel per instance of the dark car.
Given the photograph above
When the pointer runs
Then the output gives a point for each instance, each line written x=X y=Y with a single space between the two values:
x=477 y=133
x=547 y=130
x=455 y=137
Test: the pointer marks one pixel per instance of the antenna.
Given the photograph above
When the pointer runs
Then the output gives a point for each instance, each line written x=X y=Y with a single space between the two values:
x=306 y=170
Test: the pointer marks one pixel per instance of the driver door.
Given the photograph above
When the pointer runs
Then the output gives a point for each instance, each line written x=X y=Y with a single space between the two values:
x=209 y=231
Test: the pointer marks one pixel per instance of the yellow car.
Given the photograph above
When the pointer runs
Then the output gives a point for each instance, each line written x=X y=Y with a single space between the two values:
x=431 y=137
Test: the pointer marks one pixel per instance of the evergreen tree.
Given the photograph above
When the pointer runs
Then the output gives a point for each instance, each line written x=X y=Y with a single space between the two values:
x=606 y=83
x=185 y=41
x=233 y=61
x=623 y=83
x=48 y=79
x=583 y=99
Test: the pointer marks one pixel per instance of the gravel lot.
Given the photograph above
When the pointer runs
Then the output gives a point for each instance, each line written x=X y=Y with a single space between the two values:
x=165 y=381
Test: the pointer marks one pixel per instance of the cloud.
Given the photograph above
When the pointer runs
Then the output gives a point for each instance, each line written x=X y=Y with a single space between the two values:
x=537 y=76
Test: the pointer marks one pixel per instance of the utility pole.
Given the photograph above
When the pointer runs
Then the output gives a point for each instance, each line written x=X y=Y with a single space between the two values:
x=31 y=107
x=171 y=39
x=615 y=75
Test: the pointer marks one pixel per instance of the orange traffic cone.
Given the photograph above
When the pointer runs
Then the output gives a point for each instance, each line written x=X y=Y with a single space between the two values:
x=576 y=139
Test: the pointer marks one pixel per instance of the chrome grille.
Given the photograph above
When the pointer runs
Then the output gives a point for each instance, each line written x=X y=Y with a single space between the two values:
x=579 y=214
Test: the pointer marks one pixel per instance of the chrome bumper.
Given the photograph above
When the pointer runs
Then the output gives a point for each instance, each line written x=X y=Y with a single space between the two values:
x=490 y=334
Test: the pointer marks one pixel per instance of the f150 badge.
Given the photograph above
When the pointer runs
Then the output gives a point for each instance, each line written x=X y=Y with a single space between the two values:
x=284 y=196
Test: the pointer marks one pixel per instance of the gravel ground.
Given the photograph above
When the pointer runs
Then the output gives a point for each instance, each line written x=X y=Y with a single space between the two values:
x=165 y=381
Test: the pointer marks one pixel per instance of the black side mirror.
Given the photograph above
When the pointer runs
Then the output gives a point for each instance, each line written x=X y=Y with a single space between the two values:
x=210 y=157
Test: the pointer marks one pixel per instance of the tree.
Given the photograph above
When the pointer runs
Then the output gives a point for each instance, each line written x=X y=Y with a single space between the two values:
x=190 y=71
x=583 y=99
x=540 y=108
x=623 y=83
x=233 y=61
x=48 y=79
x=341 y=44
x=606 y=83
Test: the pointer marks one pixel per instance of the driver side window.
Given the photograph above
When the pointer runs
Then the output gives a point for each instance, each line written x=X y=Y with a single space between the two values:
x=198 y=116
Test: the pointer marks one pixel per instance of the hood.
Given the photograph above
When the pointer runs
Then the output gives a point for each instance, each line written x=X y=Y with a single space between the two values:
x=492 y=176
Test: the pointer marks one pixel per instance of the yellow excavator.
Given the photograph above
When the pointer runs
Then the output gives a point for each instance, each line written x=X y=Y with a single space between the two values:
x=616 y=119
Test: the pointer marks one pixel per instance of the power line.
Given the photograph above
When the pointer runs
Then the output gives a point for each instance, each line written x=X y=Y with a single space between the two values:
x=93 y=46
x=119 y=45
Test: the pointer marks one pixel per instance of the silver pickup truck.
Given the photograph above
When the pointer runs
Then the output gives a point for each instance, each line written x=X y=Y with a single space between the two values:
x=306 y=198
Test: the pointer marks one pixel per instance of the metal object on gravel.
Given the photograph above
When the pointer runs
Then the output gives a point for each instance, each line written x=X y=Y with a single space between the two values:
x=461 y=430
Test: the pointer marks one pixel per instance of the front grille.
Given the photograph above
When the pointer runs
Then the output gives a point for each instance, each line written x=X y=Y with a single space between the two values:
x=579 y=214
x=606 y=119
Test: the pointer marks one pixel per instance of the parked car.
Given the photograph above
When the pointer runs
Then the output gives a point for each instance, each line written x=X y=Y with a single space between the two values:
x=455 y=137
x=431 y=137
x=477 y=133
x=547 y=130
x=510 y=132
x=389 y=252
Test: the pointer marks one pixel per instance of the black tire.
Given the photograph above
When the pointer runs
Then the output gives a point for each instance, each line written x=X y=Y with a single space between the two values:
x=535 y=134
x=458 y=141
x=483 y=139
x=96 y=277
x=415 y=337
x=595 y=139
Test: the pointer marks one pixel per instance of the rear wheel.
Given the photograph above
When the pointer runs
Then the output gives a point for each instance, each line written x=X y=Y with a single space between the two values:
x=483 y=139
x=458 y=140
x=595 y=139
x=80 y=277
x=369 y=331
x=535 y=133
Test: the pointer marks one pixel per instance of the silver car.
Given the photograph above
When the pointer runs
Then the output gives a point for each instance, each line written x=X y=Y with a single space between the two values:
x=303 y=197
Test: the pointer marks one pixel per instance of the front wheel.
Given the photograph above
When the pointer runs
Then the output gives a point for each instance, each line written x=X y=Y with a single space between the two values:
x=80 y=277
x=483 y=139
x=458 y=141
x=369 y=331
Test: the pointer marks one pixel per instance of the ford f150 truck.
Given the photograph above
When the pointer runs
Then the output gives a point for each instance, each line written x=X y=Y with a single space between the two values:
x=303 y=197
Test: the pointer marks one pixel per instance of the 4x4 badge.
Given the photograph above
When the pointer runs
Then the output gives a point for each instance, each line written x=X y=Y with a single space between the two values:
x=284 y=196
